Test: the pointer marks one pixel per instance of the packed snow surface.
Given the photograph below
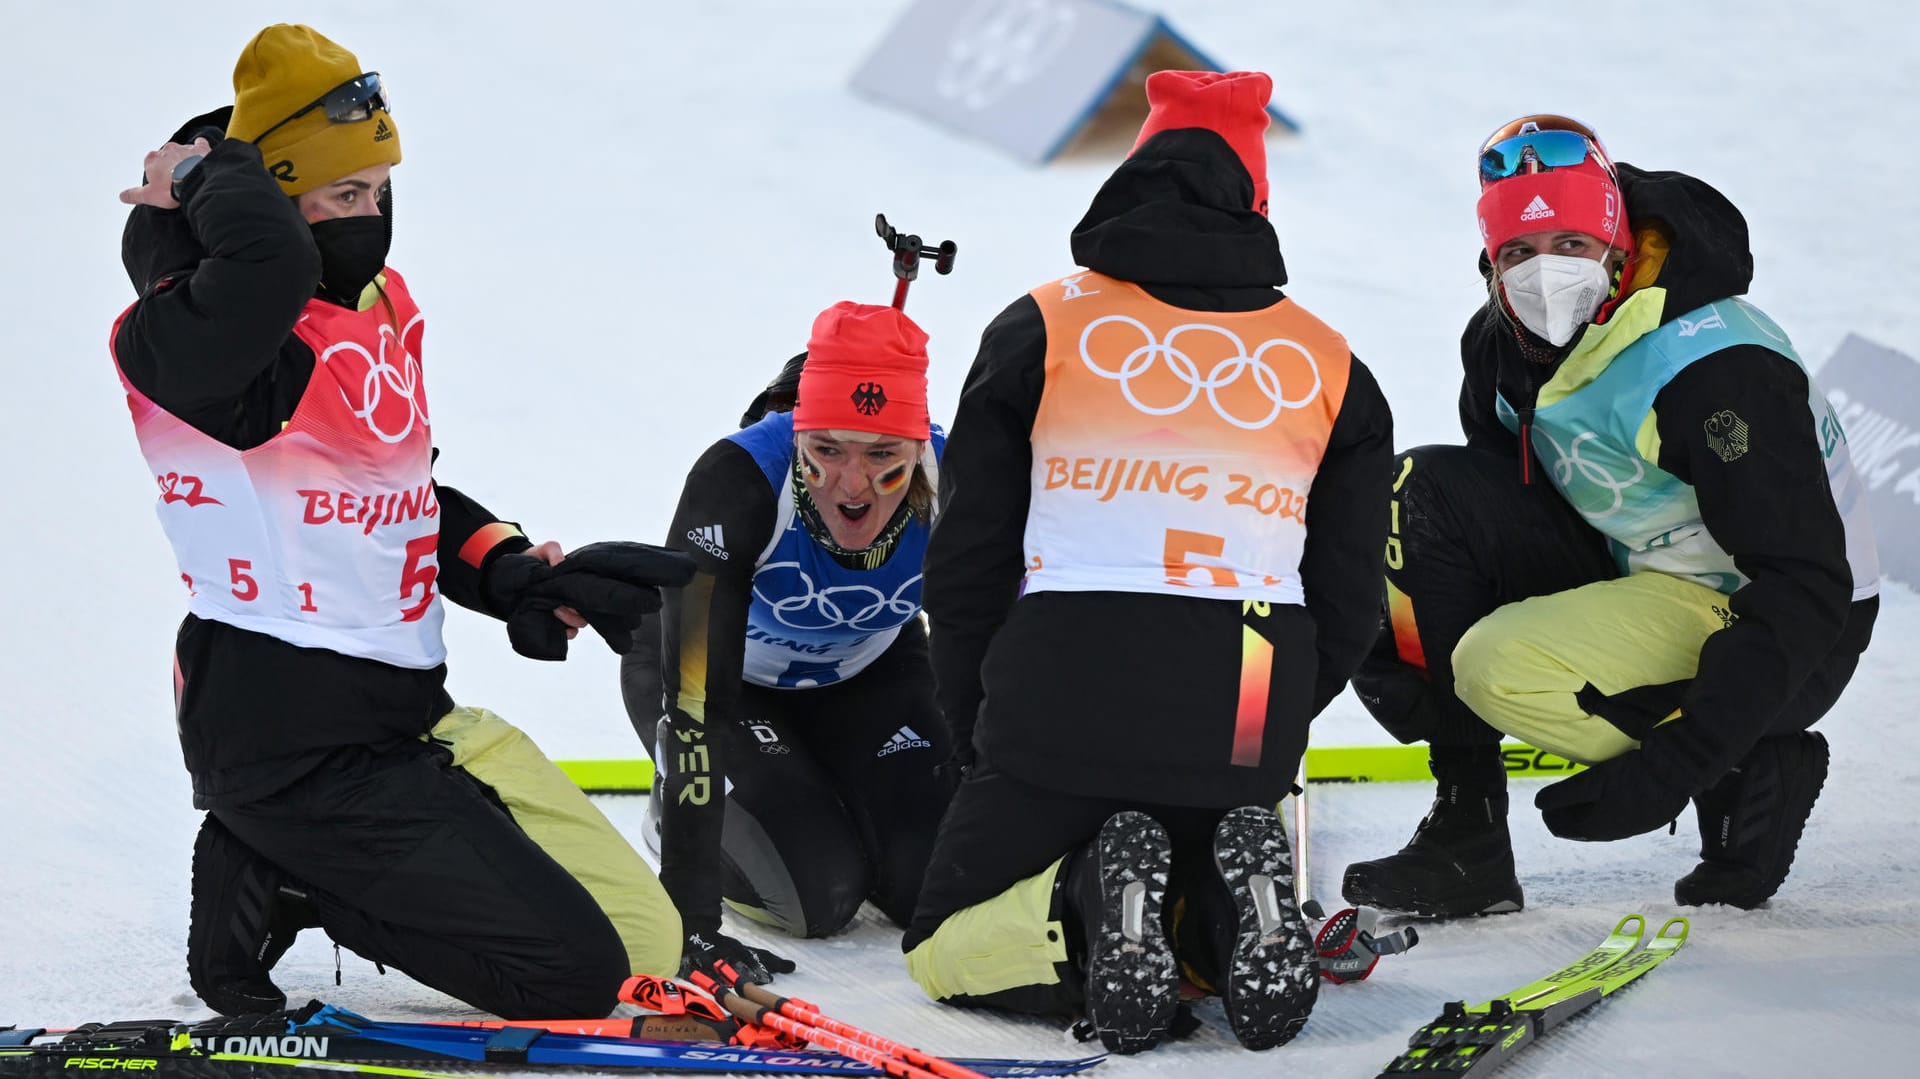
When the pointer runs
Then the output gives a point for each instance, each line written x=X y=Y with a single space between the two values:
x=620 y=218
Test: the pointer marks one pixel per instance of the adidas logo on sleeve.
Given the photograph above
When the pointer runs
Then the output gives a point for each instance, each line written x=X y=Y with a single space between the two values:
x=904 y=738
x=711 y=540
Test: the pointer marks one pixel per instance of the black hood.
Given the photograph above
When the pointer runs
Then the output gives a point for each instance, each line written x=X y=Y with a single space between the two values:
x=1707 y=254
x=1176 y=213
x=155 y=242
x=780 y=394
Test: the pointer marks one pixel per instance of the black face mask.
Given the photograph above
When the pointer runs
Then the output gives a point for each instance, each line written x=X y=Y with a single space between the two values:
x=353 y=251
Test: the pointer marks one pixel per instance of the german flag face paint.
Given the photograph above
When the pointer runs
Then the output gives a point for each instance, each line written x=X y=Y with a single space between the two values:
x=810 y=468
x=893 y=480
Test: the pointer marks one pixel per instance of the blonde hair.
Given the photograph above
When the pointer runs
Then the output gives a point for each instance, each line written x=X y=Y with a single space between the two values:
x=920 y=494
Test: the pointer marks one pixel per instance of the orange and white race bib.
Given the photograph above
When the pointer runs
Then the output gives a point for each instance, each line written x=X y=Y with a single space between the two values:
x=1173 y=450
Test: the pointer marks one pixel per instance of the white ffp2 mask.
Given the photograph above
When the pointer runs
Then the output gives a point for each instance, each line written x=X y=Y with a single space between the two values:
x=1555 y=295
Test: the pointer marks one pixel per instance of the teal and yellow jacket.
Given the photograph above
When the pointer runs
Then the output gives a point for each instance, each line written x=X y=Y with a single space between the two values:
x=1686 y=429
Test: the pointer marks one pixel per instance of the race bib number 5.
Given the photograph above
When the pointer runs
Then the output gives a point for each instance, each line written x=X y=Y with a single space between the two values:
x=421 y=570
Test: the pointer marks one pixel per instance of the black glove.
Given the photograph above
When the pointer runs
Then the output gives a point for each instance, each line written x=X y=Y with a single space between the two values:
x=707 y=949
x=1611 y=800
x=613 y=586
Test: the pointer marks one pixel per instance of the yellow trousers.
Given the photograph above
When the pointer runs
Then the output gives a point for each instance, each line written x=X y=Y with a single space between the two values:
x=1522 y=667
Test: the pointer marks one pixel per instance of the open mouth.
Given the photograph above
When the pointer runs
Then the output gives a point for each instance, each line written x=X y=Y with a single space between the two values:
x=854 y=511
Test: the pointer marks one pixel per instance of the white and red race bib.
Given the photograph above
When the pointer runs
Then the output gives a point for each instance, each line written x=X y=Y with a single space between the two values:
x=326 y=535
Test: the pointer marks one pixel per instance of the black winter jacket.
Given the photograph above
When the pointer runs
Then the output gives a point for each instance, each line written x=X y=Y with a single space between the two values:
x=221 y=282
x=1112 y=693
x=1772 y=509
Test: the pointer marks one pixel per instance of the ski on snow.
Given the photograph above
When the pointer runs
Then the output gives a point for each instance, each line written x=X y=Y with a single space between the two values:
x=322 y=1037
x=1474 y=1039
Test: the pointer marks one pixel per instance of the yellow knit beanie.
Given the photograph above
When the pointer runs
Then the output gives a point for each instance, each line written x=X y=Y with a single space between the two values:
x=284 y=69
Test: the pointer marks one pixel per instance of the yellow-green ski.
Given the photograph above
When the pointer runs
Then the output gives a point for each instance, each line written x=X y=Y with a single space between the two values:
x=1670 y=939
x=1572 y=979
x=1473 y=1040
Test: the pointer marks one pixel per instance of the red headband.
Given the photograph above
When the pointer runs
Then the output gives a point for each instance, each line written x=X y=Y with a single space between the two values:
x=1578 y=198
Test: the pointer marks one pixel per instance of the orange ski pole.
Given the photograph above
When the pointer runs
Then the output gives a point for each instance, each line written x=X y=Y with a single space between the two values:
x=749 y=1012
x=801 y=1011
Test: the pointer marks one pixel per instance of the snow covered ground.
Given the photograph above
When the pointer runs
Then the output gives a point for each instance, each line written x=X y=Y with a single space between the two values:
x=620 y=218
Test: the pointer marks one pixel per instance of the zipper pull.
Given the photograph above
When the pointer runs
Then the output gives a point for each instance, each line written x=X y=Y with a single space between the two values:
x=1526 y=445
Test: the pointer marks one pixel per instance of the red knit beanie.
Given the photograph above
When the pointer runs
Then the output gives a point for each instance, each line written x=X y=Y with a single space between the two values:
x=1233 y=105
x=1576 y=198
x=866 y=371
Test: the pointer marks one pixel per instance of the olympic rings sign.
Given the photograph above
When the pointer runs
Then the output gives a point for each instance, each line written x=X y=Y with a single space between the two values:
x=1264 y=380
x=996 y=45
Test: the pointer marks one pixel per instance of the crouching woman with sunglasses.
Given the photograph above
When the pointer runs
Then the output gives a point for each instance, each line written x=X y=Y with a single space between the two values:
x=272 y=364
x=1651 y=556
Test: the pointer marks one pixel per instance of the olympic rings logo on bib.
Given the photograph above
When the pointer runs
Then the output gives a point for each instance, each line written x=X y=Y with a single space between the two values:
x=391 y=397
x=1593 y=477
x=859 y=607
x=1247 y=381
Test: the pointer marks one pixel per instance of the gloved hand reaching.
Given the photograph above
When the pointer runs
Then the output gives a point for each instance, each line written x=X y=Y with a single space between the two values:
x=706 y=949
x=1611 y=800
x=613 y=585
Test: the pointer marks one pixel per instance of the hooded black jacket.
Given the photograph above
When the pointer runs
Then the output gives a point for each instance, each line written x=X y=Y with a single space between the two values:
x=221 y=282
x=1771 y=510
x=1113 y=693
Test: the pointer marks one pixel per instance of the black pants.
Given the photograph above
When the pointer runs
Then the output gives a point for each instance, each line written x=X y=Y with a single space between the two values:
x=1001 y=830
x=1466 y=538
x=833 y=797
x=411 y=863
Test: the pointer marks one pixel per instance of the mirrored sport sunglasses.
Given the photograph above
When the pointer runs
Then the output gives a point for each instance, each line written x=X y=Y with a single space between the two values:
x=1538 y=143
x=352 y=102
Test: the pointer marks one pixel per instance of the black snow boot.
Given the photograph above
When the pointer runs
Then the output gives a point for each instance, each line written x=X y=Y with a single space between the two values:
x=1272 y=975
x=1459 y=861
x=245 y=914
x=1116 y=886
x=1750 y=822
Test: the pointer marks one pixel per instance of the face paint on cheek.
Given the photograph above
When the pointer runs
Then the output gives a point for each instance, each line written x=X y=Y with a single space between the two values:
x=892 y=479
x=810 y=468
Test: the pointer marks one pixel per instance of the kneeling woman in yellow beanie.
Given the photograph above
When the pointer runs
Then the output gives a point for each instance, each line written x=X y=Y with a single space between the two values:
x=272 y=365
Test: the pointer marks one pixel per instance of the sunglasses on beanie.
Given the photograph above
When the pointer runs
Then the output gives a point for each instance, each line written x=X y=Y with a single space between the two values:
x=1538 y=143
x=352 y=102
